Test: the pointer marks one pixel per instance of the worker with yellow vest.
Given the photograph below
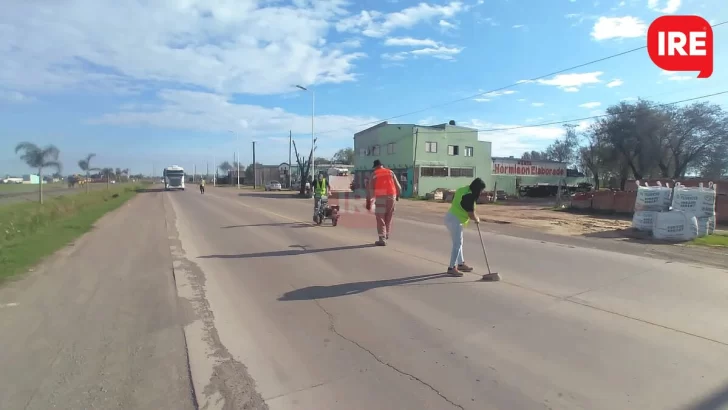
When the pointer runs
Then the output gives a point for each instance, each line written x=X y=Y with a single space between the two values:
x=461 y=212
x=384 y=190
x=321 y=188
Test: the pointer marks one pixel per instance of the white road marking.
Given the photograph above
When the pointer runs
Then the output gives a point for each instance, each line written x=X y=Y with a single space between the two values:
x=8 y=305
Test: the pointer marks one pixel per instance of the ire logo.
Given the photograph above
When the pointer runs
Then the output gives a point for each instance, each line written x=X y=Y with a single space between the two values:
x=681 y=43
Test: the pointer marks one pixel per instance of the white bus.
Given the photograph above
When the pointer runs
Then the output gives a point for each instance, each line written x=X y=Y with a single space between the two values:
x=174 y=178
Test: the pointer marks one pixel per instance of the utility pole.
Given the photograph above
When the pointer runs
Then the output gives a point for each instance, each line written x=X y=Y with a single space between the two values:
x=312 y=165
x=415 y=170
x=255 y=177
x=290 y=141
x=214 y=177
x=207 y=170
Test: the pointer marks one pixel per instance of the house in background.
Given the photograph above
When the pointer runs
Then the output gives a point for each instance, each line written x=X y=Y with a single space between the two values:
x=423 y=158
x=31 y=179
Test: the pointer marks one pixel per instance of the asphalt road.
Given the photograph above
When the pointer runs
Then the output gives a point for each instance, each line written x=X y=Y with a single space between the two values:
x=280 y=314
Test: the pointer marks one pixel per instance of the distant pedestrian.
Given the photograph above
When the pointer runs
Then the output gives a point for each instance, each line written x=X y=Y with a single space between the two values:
x=461 y=212
x=384 y=189
x=202 y=186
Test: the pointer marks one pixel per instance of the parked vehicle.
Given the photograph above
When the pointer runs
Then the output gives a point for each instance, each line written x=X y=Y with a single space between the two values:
x=273 y=186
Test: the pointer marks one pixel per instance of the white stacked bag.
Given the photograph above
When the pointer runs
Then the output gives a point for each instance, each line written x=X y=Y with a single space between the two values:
x=675 y=225
x=700 y=202
x=650 y=201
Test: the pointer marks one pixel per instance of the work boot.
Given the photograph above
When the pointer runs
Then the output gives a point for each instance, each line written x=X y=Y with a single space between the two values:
x=453 y=271
x=464 y=268
x=380 y=242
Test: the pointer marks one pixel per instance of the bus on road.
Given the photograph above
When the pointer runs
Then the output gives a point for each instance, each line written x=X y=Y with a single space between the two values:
x=174 y=178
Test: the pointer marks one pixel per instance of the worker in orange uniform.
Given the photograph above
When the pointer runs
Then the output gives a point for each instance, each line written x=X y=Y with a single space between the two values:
x=385 y=190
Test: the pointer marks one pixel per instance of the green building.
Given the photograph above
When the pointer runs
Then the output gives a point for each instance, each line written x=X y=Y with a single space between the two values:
x=424 y=158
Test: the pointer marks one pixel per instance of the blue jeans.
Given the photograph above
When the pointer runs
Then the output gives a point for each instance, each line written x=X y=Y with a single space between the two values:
x=456 y=232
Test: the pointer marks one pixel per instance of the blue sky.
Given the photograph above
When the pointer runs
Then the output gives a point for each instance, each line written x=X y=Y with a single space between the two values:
x=180 y=81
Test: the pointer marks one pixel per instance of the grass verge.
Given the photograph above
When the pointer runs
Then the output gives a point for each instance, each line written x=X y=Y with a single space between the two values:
x=31 y=231
x=718 y=240
x=30 y=188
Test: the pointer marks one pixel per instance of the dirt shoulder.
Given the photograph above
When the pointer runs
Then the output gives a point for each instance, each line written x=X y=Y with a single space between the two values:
x=96 y=325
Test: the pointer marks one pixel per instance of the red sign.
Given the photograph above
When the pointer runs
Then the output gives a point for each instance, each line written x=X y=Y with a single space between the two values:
x=681 y=43
x=524 y=168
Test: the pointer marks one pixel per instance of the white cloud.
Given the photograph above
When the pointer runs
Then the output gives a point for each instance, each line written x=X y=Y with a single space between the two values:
x=440 y=52
x=494 y=94
x=572 y=82
x=629 y=99
x=508 y=140
x=377 y=24
x=490 y=21
x=522 y=100
x=200 y=111
x=618 y=27
x=446 y=25
x=590 y=105
x=15 y=97
x=430 y=48
x=675 y=76
x=518 y=26
x=538 y=104
x=670 y=6
x=615 y=83
x=410 y=42
x=214 y=45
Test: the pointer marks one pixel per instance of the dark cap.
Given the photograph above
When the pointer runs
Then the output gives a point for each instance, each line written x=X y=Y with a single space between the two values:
x=377 y=163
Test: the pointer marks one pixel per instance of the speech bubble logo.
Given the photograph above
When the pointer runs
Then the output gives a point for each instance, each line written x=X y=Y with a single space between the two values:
x=681 y=43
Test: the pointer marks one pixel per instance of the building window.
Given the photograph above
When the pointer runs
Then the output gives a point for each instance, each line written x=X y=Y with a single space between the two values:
x=362 y=152
x=462 y=172
x=468 y=152
x=430 y=146
x=453 y=150
x=375 y=150
x=433 y=171
x=390 y=148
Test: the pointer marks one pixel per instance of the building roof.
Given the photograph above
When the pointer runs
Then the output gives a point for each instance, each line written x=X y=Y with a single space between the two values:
x=532 y=160
x=437 y=126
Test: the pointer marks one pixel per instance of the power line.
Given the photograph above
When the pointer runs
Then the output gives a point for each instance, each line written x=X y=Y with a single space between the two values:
x=545 y=124
x=541 y=77
x=593 y=117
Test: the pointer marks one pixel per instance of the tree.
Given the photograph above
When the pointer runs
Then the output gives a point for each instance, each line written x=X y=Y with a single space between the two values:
x=647 y=140
x=344 y=156
x=304 y=166
x=107 y=172
x=322 y=160
x=249 y=174
x=534 y=156
x=39 y=158
x=85 y=165
x=564 y=150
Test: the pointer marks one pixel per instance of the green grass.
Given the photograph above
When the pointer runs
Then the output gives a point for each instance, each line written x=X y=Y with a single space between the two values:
x=31 y=231
x=719 y=240
x=11 y=188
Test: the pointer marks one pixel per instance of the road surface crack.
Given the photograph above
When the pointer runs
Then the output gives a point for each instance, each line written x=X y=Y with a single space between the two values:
x=332 y=328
